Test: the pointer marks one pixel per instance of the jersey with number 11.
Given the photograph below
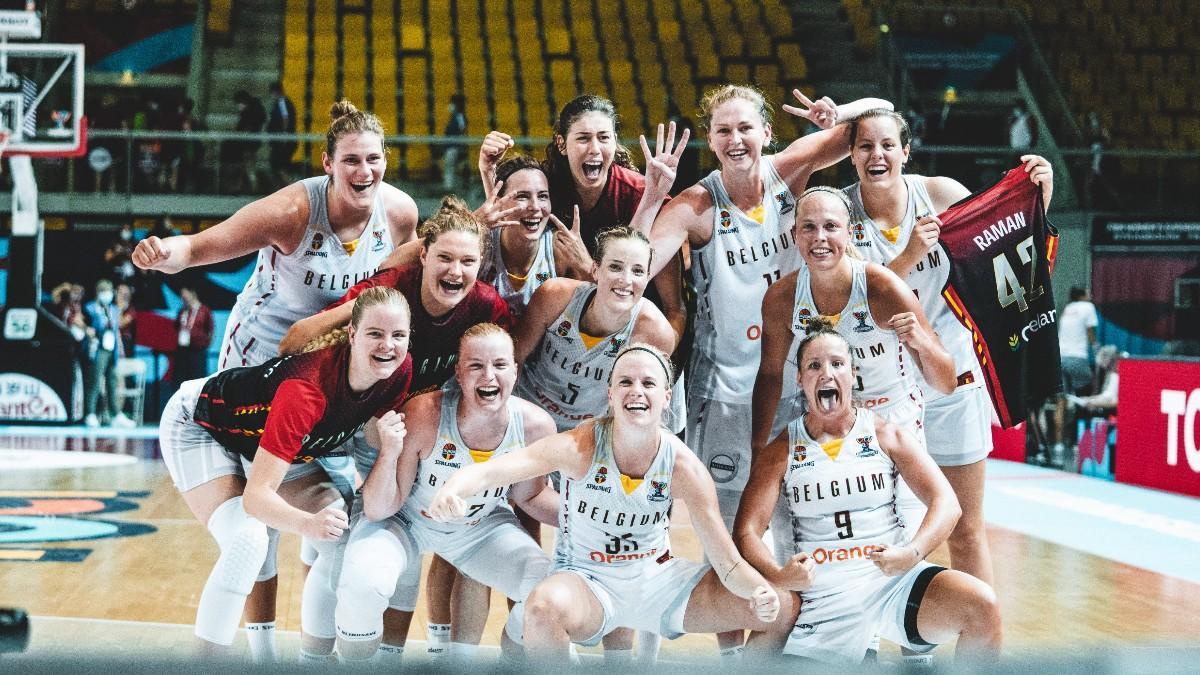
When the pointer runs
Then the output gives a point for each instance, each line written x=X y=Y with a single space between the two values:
x=746 y=254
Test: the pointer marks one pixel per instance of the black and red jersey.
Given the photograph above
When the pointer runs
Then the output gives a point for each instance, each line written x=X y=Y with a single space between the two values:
x=433 y=342
x=1001 y=249
x=298 y=408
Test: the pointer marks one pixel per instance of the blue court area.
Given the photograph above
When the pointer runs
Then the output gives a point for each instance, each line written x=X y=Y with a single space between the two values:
x=1153 y=530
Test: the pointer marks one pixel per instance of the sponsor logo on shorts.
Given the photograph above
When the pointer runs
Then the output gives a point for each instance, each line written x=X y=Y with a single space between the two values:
x=658 y=491
x=862 y=326
x=785 y=203
x=726 y=223
x=318 y=241
x=564 y=329
x=723 y=468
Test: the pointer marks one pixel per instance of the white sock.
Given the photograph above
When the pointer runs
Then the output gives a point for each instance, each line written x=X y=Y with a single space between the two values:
x=437 y=636
x=618 y=657
x=388 y=655
x=463 y=652
x=308 y=659
x=732 y=654
x=647 y=646
x=261 y=637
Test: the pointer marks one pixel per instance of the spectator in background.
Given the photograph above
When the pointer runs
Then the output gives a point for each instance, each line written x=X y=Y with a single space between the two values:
x=1104 y=401
x=194 y=325
x=452 y=155
x=128 y=321
x=1020 y=130
x=281 y=119
x=687 y=173
x=241 y=157
x=916 y=125
x=191 y=159
x=104 y=322
x=107 y=155
x=150 y=172
x=1076 y=336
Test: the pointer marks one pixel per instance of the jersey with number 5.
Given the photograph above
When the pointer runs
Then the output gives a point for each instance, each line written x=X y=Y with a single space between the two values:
x=841 y=496
x=566 y=377
x=747 y=253
x=1001 y=248
x=451 y=453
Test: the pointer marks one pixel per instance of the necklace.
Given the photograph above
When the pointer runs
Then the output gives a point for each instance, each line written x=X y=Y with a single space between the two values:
x=517 y=277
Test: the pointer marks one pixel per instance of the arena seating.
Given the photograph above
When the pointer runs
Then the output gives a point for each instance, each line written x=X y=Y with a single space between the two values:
x=518 y=63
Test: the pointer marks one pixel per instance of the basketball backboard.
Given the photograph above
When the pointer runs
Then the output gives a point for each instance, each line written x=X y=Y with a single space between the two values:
x=41 y=98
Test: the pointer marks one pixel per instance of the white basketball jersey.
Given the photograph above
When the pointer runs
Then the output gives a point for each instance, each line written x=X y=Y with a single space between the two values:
x=610 y=524
x=562 y=375
x=285 y=288
x=495 y=273
x=732 y=272
x=927 y=278
x=883 y=369
x=451 y=453
x=841 y=507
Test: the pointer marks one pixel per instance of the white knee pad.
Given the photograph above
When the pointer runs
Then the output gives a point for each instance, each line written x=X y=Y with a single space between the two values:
x=373 y=563
x=318 y=600
x=244 y=542
x=269 y=568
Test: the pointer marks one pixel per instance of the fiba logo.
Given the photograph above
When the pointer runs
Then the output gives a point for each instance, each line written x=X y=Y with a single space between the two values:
x=658 y=491
x=564 y=329
x=862 y=327
x=785 y=204
x=448 y=451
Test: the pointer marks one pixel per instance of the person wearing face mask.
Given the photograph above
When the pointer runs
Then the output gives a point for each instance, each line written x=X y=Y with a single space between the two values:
x=104 y=328
x=194 y=326
x=315 y=239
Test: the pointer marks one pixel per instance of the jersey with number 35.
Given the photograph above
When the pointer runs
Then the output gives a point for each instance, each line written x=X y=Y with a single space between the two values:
x=746 y=254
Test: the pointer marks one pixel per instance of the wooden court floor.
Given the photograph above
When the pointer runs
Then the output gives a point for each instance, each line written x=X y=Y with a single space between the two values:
x=136 y=592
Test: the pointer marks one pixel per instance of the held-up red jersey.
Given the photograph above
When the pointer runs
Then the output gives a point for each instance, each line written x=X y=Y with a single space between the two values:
x=297 y=408
x=1001 y=249
x=433 y=342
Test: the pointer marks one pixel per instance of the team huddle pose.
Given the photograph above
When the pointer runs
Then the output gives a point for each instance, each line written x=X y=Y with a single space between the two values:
x=387 y=391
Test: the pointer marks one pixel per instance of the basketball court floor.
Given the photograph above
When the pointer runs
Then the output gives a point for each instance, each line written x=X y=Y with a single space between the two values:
x=99 y=549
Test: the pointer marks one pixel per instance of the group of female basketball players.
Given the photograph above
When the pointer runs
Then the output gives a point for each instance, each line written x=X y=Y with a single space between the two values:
x=387 y=390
